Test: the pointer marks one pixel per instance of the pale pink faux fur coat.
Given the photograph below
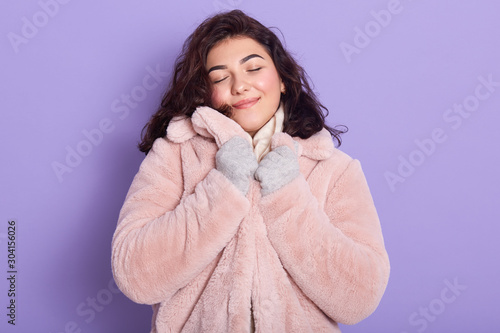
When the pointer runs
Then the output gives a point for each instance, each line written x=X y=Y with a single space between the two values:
x=303 y=258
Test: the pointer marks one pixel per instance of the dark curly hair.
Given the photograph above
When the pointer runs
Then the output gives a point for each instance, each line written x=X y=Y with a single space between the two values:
x=190 y=86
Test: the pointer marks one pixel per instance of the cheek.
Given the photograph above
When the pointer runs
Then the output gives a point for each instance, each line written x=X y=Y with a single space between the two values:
x=217 y=97
x=269 y=82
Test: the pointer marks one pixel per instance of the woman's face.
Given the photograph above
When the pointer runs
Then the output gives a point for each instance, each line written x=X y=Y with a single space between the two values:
x=244 y=77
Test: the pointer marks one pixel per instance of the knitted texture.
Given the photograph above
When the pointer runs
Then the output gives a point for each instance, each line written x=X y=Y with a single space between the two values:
x=278 y=168
x=236 y=160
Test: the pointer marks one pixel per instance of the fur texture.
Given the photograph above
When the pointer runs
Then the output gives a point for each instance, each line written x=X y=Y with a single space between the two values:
x=304 y=257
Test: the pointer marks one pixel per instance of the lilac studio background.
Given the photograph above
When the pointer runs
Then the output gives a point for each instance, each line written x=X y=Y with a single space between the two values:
x=417 y=82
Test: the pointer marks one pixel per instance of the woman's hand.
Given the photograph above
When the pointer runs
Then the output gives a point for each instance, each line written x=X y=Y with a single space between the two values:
x=236 y=160
x=278 y=168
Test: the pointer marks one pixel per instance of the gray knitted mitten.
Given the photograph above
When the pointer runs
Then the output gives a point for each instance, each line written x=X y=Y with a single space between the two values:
x=278 y=168
x=236 y=160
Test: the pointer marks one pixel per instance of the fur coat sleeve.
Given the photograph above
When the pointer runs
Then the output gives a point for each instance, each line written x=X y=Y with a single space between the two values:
x=336 y=249
x=164 y=239
x=332 y=249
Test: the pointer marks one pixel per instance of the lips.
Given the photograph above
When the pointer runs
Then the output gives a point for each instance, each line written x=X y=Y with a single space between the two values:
x=246 y=103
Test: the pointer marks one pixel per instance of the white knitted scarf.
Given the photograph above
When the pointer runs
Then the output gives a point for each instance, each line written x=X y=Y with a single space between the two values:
x=261 y=140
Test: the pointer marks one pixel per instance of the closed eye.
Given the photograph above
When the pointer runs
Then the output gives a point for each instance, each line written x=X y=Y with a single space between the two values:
x=220 y=80
x=250 y=70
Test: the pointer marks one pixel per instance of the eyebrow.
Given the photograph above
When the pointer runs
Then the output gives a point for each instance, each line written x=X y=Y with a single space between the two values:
x=242 y=61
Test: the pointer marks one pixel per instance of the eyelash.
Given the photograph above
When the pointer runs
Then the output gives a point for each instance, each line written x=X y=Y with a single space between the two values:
x=250 y=70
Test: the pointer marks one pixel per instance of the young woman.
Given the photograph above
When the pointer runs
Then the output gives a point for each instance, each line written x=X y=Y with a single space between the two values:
x=243 y=215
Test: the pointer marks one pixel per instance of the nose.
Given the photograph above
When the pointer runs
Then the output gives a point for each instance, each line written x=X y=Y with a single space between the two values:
x=240 y=84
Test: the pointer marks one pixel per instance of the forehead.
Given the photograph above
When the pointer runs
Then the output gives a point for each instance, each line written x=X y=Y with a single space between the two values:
x=234 y=49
